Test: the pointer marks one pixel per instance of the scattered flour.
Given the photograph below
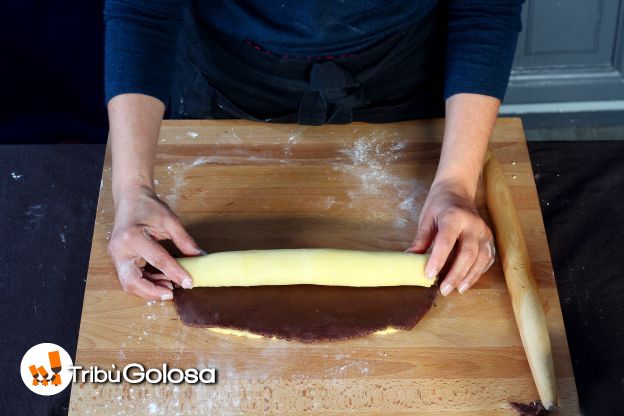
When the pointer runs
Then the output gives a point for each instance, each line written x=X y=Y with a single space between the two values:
x=348 y=368
x=34 y=216
x=328 y=202
x=371 y=158
x=153 y=408
x=293 y=138
x=179 y=170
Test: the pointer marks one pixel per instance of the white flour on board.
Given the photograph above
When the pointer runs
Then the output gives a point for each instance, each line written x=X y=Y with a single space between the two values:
x=371 y=158
x=179 y=170
x=327 y=202
x=293 y=138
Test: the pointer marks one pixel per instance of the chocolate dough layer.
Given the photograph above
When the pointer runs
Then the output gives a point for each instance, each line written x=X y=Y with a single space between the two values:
x=305 y=313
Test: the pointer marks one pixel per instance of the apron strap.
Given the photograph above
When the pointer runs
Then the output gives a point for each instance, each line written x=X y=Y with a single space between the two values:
x=333 y=94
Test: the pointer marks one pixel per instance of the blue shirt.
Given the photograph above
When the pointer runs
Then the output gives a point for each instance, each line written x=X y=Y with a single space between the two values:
x=141 y=35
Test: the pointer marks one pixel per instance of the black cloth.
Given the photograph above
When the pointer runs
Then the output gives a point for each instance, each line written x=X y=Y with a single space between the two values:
x=48 y=199
x=581 y=191
x=399 y=79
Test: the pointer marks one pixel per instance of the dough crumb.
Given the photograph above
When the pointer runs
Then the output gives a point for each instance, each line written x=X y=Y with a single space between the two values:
x=529 y=409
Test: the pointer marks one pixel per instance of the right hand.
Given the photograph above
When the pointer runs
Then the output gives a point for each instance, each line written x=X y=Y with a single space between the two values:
x=141 y=220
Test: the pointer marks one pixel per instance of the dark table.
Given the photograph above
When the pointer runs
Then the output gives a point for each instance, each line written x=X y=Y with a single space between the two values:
x=48 y=198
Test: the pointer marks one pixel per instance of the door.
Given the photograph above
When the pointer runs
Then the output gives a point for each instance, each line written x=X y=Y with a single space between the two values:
x=569 y=51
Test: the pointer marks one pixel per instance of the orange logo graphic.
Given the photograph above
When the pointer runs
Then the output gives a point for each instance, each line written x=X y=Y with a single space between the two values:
x=45 y=369
x=55 y=366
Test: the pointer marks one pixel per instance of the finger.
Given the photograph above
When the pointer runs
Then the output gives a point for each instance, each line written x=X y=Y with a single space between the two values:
x=166 y=284
x=423 y=238
x=149 y=290
x=159 y=279
x=442 y=245
x=181 y=238
x=465 y=259
x=492 y=248
x=484 y=261
x=158 y=257
x=132 y=281
x=127 y=270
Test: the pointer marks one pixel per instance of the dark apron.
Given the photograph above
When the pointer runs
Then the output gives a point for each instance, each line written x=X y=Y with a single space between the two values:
x=216 y=77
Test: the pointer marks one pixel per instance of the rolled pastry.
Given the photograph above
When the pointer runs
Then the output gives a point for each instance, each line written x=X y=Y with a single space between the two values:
x=329 y=267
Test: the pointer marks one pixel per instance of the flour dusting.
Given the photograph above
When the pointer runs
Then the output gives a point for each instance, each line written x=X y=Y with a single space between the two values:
x=328 y=202
x=372 y=158
x=375 y=160
x=350 y=367
x=293 y=138
x=34 y=216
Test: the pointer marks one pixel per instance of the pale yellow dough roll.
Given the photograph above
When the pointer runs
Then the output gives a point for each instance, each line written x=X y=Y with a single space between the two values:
x=329 y=267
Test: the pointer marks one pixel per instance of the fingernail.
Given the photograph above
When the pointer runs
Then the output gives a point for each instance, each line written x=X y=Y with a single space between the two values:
x=463 y=287
x=166 y=296
x=446 y=289
x=431 y=273
x=169 y=284
x=187 y=284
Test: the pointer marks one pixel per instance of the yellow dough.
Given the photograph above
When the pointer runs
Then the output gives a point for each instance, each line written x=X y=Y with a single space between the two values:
x=389 y=330
x=251 y=335
x=236 y=332
x=329 y=267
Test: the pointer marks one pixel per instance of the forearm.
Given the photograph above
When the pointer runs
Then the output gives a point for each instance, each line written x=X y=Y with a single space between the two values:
x=134 y=127
x=469 y=122
x=449 y=218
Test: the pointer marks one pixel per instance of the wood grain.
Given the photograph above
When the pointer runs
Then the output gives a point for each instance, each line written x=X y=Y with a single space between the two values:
x=239 y=185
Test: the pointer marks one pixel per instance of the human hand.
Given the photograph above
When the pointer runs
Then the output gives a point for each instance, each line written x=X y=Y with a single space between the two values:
x=449 y=217
x=141 y=220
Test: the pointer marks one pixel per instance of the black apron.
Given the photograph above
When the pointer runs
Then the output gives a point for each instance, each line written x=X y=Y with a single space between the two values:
x=400 y=78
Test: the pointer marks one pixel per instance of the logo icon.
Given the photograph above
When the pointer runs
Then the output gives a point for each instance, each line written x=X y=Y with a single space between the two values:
x=45 y=369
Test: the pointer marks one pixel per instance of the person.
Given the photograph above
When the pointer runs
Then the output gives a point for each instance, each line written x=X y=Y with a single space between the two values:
x=307 y=62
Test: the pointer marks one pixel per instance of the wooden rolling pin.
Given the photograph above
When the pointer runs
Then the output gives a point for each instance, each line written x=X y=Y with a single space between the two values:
x=521 y=283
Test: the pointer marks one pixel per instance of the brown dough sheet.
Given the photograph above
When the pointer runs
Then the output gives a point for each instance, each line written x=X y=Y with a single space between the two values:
x=306 y=313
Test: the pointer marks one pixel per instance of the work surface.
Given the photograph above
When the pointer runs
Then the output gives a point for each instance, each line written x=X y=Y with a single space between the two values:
x=238 y=185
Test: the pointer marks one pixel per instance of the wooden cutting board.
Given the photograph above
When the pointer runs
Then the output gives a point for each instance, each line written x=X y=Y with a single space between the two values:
x=240 y=185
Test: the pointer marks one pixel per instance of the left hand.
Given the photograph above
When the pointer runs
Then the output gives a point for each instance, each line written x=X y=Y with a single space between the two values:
x=449 y=217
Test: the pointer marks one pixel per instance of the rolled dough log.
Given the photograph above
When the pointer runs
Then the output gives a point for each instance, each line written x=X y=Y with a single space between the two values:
x=328 y=267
